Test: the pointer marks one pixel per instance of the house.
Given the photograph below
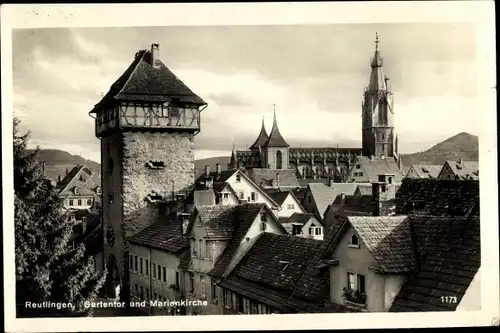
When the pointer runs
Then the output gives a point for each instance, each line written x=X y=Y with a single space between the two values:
x=80 y=188
x=218 y=235
x=232 y=187
x=303 y=225
x=154 y=257
x=272 y=178
x=363 y=189
x=460 y=170
x=318 y=196
x=366 y=169
x=287 y=201
x=423 y=171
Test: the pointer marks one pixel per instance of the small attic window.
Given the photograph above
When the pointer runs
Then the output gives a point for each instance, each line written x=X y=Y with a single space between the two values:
x=98 y=190
x=76 y=190
x=238 y=178
x=155 y=164
x=354 y=241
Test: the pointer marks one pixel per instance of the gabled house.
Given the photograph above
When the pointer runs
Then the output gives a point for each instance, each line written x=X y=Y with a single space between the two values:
x=218 y=235
x=460 y=170
x=423 y=171
x=273 y=178
x=80 y=188
x=363 y=189
x=303 y=225
x=317 y=198
x=288 y=202
x=154 y=256
x=233 y=187
x=367 y=169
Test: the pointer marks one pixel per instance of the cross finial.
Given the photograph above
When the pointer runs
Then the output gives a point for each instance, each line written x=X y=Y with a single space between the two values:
x=376 y=41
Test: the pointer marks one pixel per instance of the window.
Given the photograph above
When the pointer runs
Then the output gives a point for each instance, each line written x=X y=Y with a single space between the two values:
x=354 y=241
x=360 y=174
x=318 y=231
x=140 y=265
x=147 y=267
x=79 y=202
x=263 y=226
x=89 y=202
x=226 y=195
x=238 y=178
x=351 y=278
x=208 y=249
x=254 y=307
x=390 y=180
x=381 y=178
x=135 y=264
x=111 y=197
x=355 y=174
x=358 y=166
x=154 y=271
x=191 y=283
x=383 y=188
x=254 y=196
x=98 y=190
x=242 y=195
x=130 y=262
x=227 y=298
x=296 y=229
x=136 y=289
x=177 y=279
x=263 y=217
x=356 y=282
x=213 y=290
x=159 y=273
x=202 y=286
x=290 y=206
x=361 y=283
x=76 y=190
x=239 y=304
x=309 y=199
x=71 y=200
x=311 y=231
x=202 y=249
x=164 y=274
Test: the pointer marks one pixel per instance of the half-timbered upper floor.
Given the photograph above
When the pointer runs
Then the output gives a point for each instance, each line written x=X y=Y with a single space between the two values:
x=148 y=96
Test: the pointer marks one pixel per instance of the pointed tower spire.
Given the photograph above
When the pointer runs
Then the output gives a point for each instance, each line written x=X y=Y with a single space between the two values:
x=275 y=139
x=261 y=139
x=377 y=77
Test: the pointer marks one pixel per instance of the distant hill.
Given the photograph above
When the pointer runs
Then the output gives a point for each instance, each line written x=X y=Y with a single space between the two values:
x=462 y=145
x=58 y=161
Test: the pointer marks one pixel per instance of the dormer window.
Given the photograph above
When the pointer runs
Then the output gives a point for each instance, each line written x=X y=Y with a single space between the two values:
x=155 y=164
x=238 y=178
x=263 y=217
x=354 y=241
x=263 y=226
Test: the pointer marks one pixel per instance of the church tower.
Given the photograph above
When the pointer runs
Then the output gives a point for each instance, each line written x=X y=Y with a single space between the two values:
x=275 y=149
x=378 y=112
x=146 y=124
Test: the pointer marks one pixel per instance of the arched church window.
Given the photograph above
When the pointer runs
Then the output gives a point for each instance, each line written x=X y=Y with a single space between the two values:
x=279 y=160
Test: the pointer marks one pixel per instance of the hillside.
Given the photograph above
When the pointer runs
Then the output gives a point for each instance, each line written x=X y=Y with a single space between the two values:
x=462 y=145
x=57 y=161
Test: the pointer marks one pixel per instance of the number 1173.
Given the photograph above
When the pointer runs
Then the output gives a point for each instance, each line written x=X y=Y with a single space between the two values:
x=448 y=299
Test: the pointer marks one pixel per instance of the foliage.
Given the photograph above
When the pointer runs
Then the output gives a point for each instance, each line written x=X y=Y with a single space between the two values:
x=48 y=269
x=354 y=296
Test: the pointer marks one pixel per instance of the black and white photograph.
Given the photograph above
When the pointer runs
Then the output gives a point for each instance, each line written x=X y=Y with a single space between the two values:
x=259 y=163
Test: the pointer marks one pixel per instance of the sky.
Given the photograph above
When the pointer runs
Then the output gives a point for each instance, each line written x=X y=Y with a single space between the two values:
x=314 y=74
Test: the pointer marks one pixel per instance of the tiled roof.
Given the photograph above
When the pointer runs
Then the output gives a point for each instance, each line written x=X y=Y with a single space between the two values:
x=357 y=203
x=185 y=260
x=438 y=197
x=300 y=218
x=389 y=240
x=427 y=171
x=204 y=197
x=451 y=258
x=80 y=177
x=323 y=196
x=365 y=189
x=261 y=139
x=464 y=169
x=275 y=139
x=244 y=215
x=299 y=192
x=264 y=177
x=373 y=168
x=221 y=177
x=217 y=220
x=277 y=195
x=303 y=182
x=142 y=82
x=320 y=155
x=163 y=235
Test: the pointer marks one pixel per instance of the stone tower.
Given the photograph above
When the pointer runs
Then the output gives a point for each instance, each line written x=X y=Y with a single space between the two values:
x=146 y=124
x=275 y=149
x=378 y=112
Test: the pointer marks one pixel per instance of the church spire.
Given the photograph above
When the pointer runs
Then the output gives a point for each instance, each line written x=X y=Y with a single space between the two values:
x=377 y=77
x=261 y=139
x=275 y=139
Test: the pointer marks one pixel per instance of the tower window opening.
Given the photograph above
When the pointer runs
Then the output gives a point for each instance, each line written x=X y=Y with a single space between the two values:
x=155 y=164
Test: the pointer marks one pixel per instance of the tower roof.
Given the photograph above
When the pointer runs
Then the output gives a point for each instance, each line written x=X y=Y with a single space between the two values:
x=261 y=139
x=377 y=77
x=148 y=79
x=275 y=139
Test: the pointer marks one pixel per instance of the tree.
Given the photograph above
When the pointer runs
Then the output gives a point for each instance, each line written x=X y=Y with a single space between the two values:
x=48 y=269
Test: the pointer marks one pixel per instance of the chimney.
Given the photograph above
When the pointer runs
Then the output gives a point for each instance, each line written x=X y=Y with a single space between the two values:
x=460 y=160
x=155 y=56
x=342 y=201
x=330 y=181
x=277 y=180
x=218 y=169
x=207 y=170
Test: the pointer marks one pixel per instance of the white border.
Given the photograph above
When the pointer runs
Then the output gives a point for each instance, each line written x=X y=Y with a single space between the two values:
x=107 y=15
